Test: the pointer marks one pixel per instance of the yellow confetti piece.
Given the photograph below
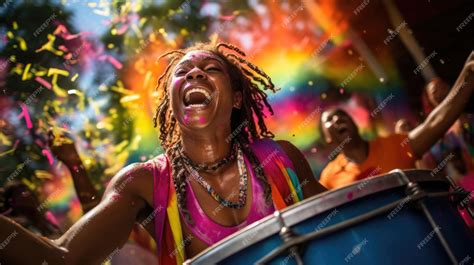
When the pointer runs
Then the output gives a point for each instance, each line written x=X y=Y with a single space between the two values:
x=10 y=35
x=105 y=125
x=81 y=97
x=73 y=79
x=22 y=42
x=147 y=79
x=59 y=138
x=40 y=72
x=95 y=106
x=25 y=72
x=184 y=32
x=162 y=31
x=129 y=98
x=4 y=140
x=42 y=174
x=152 y=37
x=87 y=161
x=119 y=88
x=135 y=143
x=55 y=73
x=7 y=152
x=137 y=31
x=110 y=45
x=15 y=25
x=28 y=183
x=121 y=146
x=49 y=46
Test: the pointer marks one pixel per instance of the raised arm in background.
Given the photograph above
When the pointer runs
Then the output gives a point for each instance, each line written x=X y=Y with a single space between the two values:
x=445 y=114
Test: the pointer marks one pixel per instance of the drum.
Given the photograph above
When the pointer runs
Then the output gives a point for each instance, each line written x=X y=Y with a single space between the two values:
x=404 y=217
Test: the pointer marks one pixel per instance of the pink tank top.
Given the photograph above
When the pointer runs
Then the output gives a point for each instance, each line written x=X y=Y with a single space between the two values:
x=211 y=232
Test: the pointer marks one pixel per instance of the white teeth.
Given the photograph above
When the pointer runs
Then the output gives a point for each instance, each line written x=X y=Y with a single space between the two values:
x=199 y=90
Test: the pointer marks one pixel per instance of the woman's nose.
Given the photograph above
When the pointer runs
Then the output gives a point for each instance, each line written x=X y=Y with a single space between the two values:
x=195 y=73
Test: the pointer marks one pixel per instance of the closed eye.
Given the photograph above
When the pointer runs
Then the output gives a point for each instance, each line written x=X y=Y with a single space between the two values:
x=180 y=72
x=213 y=69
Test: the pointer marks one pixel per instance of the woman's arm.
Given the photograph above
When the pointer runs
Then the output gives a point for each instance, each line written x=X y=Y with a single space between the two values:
x=308 y=183
x=64 y=149
x=445 y=114
x=96 y=236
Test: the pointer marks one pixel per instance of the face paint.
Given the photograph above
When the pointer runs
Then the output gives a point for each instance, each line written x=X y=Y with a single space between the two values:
x=202 y=94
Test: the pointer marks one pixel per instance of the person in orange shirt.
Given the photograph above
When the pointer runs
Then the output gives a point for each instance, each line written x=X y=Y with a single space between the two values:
x=356 y=158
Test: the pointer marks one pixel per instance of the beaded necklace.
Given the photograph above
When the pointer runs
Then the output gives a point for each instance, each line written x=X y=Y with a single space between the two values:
x=243 y=179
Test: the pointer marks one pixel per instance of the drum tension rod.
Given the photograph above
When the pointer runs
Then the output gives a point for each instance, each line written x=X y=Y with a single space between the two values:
x=342 y=225
x=465 y=197
x=414 y=190
x=287 y=235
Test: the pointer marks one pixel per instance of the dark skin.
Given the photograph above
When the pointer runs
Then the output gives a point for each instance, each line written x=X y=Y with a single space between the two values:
x=337 y=125
x=63 y=148
x=437 y=90
x=129 y=196
x=26 y=208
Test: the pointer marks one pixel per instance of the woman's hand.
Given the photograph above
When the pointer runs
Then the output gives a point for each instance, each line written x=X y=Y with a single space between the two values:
x=62 y=146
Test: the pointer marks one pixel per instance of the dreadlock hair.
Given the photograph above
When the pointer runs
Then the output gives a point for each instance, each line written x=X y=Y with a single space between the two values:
x=246 y=78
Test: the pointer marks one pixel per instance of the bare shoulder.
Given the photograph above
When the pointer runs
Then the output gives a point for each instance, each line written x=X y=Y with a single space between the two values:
x=292 y=151
x=135 y=179
x=308 y=183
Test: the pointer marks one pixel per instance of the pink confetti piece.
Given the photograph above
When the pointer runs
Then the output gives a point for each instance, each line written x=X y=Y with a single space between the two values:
x=202 y=119
x=227 y=18
x=62 y=31
x=122 y=29
x=350 y=195
x=43 y=82
x=63 y=48
x=16 y=144
x=26 y=115
x=39 y=143
x=49 y=156
x=114 y=62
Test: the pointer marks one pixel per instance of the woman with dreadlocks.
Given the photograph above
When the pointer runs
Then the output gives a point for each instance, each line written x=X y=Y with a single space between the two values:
x=220 y=171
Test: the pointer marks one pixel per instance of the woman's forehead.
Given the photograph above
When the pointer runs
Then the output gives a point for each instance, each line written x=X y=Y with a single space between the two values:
x=199 y=55
x=331 y=112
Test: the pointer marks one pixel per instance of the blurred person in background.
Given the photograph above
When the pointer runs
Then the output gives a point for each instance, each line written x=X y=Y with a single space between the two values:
x=356 y=158
x=459 y=136
x=21 y=204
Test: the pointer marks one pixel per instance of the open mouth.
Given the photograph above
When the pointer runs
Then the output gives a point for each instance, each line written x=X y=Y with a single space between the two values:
x=197 y=97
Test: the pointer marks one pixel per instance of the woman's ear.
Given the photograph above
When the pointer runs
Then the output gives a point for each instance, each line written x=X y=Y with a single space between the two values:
x=237 y=99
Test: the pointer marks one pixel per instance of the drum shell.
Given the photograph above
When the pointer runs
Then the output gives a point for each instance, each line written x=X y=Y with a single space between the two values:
x=405 y=237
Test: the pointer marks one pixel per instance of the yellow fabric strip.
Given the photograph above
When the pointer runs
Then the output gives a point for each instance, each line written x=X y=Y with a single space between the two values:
x=173 y=217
